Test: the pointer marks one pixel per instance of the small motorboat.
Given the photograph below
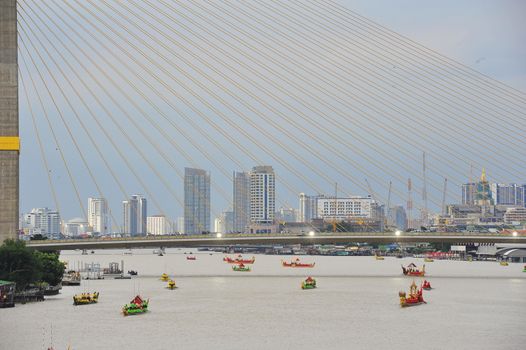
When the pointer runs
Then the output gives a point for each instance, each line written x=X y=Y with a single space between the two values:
x=171 y=284
x=309 y=283
x=132 y=273
x=426 y=285
x=428 y=260
x=504 y=263
x=191 y=257
x=85 y=298
x=378 y=257
x=241 y=268
x=415 y=296
x=136 y=306
x=296 y=263
x=239 y=260
x=164 y=277
x=411 y=270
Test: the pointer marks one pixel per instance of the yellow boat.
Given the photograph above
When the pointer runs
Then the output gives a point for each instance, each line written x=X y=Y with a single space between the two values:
x=378 y=257
x=428 y=260
x=164 y=277
x=171 y=284
x=503 y=263
x=85 y=298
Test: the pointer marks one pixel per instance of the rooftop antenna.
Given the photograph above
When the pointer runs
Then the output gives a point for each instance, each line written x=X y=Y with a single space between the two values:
x=409 y=204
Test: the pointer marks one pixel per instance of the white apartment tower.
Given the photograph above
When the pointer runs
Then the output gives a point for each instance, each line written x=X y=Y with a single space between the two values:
x=98 y=215
x=262 y=195
x=158 y=225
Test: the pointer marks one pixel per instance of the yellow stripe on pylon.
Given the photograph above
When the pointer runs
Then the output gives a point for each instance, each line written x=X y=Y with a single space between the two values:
x=9 y=143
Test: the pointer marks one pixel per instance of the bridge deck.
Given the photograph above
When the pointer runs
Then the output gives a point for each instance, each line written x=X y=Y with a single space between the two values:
x=262 y=239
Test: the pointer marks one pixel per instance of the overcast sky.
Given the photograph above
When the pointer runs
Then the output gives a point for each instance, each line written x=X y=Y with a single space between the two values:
x=486 y=35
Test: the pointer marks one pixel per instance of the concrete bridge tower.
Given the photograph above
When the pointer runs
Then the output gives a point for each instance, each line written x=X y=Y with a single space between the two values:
x=9 y=137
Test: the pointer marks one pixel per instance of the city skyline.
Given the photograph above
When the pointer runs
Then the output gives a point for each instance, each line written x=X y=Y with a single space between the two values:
x=472 y=194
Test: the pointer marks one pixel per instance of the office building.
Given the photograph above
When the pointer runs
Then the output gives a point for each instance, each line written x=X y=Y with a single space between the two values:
x=468 y=193
x=508 y=194
x=158 y=225
x=241 y=201
x=196 y=201
x=397 y=218
x=307 y=209
x=98 y=215
x=341 y=209
x=77 y=227
x=43 y=221
x=515 y=216
x=135 y=214
x=262 y=195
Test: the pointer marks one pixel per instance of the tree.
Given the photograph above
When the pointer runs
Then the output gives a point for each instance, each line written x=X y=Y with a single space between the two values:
x=19 y=264
x=24 y=266
x=52 y=267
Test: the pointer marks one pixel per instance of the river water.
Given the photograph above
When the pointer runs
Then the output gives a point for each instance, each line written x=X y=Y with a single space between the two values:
x=475 y=305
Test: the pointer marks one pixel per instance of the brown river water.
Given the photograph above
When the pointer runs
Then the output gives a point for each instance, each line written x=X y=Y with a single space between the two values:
x=474 y=305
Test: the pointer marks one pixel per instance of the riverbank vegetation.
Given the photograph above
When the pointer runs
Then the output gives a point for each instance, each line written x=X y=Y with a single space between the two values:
x=28 y=267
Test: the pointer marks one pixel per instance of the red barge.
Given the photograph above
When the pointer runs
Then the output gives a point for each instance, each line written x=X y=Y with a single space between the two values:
x=411 y=270
x=415 y=296
x=239 y=260
x=296 y=263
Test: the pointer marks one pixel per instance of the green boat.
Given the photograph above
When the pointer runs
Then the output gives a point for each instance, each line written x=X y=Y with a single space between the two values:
x=241 y=268
x=309 y=283
x=136 y=306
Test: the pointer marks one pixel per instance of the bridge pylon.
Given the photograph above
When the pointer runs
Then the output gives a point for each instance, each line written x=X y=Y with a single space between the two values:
x=9 y=134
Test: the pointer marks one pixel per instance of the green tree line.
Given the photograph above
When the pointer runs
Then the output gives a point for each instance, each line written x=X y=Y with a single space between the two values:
x=25 y=266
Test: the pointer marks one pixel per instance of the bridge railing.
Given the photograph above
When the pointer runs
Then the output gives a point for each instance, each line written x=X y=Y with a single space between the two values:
x=248 y=235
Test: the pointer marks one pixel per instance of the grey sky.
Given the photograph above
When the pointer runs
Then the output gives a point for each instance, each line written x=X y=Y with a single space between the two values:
x=488 y=36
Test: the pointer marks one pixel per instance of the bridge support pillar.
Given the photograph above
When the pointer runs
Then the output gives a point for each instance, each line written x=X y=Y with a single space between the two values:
x=9 y=137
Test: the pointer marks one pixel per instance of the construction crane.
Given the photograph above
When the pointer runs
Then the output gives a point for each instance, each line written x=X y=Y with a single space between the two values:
x=424 y=192
x=409 y=204
x=370 y=190
x=388 y=212
x=444 y=198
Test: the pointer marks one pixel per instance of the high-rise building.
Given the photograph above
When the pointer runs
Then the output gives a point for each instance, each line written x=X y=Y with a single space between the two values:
x=135 y=214
x=307 y=210
x=262 y=195
x=196 y=201
x=468 y=193
x=158 y=225
x=98 y=215
x=397 y=218
x=507 y=194
x=43 y=221
x=241 y=201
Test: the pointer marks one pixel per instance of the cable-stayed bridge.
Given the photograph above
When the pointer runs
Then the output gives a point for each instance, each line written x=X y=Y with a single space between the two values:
x=118 y=97
x=276 y=239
